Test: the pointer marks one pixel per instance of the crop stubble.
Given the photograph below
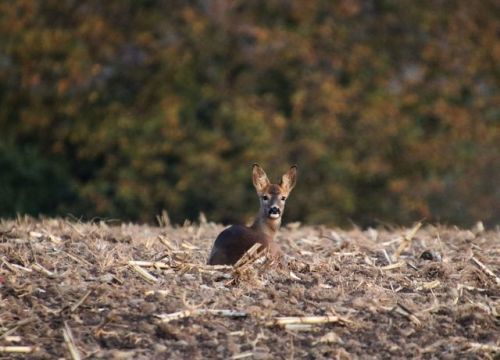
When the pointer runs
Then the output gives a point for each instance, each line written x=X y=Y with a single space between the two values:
x=98 y=290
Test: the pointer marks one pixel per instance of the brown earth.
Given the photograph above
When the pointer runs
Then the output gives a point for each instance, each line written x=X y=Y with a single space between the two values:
x=439 y=299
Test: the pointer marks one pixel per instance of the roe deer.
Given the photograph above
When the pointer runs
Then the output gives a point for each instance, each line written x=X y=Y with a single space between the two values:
x=234 y=241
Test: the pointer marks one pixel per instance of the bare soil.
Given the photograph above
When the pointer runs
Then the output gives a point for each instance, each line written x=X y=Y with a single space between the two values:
x=69 y=290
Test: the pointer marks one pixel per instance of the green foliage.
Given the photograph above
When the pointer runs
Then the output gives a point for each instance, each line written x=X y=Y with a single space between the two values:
x=390 y=108
x=31 y=184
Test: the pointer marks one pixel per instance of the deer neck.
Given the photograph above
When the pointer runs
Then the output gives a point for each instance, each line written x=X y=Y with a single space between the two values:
x=267 y=226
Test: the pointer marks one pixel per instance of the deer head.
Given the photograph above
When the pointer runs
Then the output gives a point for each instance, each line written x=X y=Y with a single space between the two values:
x=273 y=196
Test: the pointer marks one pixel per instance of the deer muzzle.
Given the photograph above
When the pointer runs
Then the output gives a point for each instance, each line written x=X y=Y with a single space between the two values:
x=274 y=212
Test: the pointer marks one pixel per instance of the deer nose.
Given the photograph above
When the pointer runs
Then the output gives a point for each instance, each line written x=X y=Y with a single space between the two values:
x=274 y=210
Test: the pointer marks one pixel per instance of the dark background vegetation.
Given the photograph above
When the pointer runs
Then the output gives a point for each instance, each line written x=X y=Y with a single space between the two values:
x=124 y=108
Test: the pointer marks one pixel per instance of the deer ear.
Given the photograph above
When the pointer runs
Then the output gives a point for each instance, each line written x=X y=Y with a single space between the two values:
x=289 y=179
x=259 y=177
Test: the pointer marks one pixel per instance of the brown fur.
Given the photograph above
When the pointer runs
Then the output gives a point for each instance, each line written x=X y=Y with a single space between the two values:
x=234 y=241
x=274 y=189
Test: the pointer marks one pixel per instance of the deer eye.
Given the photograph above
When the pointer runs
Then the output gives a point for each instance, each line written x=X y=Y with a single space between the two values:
x=265 y=197
x=283 y=198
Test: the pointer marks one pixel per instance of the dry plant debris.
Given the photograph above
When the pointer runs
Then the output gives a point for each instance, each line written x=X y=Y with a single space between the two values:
x=103 y=291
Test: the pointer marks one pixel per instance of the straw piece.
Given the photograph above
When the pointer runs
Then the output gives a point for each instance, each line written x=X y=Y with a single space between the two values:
x=484 y=347
x=224 y=313
x=35 y=234
x=166 y=242
x=402 y=310
x=429 y=285
x=17 y=349
x=162 y=265
x=40 y=268
x=165 y=318
x=329 y=338
x=14 y=267
x=17 y=326
x=77 y=258
x=242 y=355
x=248 y=256
x=393 y=266
x=81 y=301
x=74 y=228
x=486 y=270
x=187 y=245
x=70 y=342
x=286 y=320
x=156 y=292
x=144 y=274
x=55 y=239
x=387 y=257
x=236 y=333
x=13 y=338
x=407 y=239
x=155 y=264
x=163 y=219
x=298 y=327
x=470 y=288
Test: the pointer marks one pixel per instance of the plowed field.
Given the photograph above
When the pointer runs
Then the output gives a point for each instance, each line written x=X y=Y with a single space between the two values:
x=114 y=291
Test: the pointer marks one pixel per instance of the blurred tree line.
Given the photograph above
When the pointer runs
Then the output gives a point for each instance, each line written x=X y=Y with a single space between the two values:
x=121 y=109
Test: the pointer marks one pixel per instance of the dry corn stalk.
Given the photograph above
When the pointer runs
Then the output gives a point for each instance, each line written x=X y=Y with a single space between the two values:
x=248 y=257
x=70 y=342
x=403 y=310
x=393 y=266
x=287 y=320
x=165 y=318
x=486 y=270
x=17 y=349
x=407 y=238
x=144 y=274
